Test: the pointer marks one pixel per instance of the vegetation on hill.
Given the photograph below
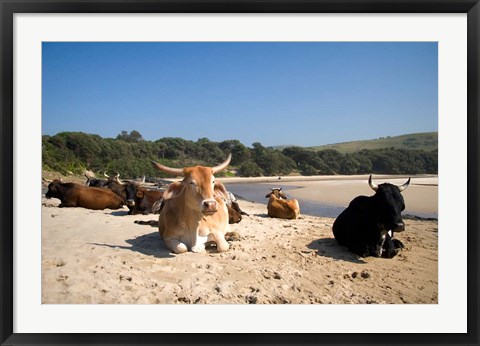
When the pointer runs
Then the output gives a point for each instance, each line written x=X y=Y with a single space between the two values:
x=130 y=155
x=427 y=141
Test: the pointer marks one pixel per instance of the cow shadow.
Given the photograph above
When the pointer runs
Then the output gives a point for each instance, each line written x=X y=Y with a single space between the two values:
x=148 y=244
x=264 y=215
x=119 y=213
x=328 y=247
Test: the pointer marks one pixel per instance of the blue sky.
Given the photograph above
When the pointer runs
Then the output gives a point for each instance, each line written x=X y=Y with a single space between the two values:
x=306 y=94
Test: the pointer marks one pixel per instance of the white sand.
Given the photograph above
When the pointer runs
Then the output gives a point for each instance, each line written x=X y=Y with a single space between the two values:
x=91 y=257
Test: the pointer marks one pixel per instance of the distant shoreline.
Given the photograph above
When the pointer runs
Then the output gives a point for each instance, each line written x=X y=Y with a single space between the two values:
x=303 y=178
x=328 y=195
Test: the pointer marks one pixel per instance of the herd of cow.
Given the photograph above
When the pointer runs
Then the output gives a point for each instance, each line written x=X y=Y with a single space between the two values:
x=197 y=211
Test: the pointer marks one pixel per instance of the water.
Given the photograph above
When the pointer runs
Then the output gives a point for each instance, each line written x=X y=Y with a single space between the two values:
x=256 y=193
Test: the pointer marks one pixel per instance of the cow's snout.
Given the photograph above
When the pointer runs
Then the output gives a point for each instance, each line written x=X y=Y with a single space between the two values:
x=130 y=202
x=209 y=206
x=399 y=227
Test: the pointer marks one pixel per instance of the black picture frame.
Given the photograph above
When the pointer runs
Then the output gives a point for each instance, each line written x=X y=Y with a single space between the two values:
x=10 y=7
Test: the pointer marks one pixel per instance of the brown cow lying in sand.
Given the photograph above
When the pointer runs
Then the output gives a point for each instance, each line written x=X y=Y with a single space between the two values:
x=234 y=211
x=194 y=210
x=76 y=195
x=280 y=207
x=145 y=201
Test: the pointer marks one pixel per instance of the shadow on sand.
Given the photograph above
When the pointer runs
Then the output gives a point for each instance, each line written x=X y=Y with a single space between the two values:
x=119 y=213
x=148 y=244
x=328 y=247
x=264 y=215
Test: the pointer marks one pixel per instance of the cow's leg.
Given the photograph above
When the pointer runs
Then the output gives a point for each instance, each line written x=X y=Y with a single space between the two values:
x=361 y=250
x=67 y=205
x=398 y=244
x=219 y=238
x=389 y=250
x=392 y=247
x=175 y=245
x=199 y=245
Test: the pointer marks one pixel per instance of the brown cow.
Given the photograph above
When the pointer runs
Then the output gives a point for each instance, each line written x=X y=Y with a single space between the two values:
x=145 y=199
x=194 y=210
x=234 y=211
x=280 y=207
x=76 y=195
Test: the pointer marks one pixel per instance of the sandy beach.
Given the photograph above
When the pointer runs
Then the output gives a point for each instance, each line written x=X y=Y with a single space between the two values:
x=103 y=257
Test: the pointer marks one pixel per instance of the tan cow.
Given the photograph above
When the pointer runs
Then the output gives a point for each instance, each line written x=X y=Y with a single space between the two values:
x=280 y=207
x=194 y=210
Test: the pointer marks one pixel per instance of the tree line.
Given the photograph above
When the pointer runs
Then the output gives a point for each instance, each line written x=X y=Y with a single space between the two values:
x=130 y=155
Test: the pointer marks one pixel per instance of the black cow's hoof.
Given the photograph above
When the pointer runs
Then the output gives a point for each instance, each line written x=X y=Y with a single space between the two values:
x=398 y=244
x=390 y=253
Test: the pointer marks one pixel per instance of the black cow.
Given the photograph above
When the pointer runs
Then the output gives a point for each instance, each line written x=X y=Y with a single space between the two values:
x=126 y=190
x=94 y=182
x=367 y=226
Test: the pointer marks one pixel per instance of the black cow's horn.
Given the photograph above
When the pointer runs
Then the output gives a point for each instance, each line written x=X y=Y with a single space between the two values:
x=117 y=178
x=404 y=186
x=105 y=174
x=222 y=165
x=372 y=184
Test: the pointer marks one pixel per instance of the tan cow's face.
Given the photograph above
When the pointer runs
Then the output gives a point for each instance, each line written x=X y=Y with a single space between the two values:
x=199 y=189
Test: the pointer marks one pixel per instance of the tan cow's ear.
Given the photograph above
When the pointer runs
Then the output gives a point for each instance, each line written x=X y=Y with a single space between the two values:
x=173 y=190
x=220 y=190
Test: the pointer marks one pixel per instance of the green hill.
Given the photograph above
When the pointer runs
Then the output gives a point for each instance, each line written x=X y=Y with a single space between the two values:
x=427 y=141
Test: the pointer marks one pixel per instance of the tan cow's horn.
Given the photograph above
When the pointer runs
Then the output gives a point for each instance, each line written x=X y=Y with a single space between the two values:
x=222 y=165
x=404 y=186
x=372 y=184
x=169 y=170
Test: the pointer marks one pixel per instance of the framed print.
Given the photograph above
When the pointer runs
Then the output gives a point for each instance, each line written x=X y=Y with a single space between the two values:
x=220 y=54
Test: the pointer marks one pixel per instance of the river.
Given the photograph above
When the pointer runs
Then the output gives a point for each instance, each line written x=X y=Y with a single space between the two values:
x=256 y=192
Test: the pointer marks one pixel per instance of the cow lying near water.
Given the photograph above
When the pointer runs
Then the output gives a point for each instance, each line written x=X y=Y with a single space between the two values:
x=194 y=210
x=368 y=224
x=280 y=207
x=76 y=195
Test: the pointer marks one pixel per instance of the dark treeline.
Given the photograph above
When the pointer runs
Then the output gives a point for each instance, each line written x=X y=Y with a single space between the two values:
x=129 y=154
